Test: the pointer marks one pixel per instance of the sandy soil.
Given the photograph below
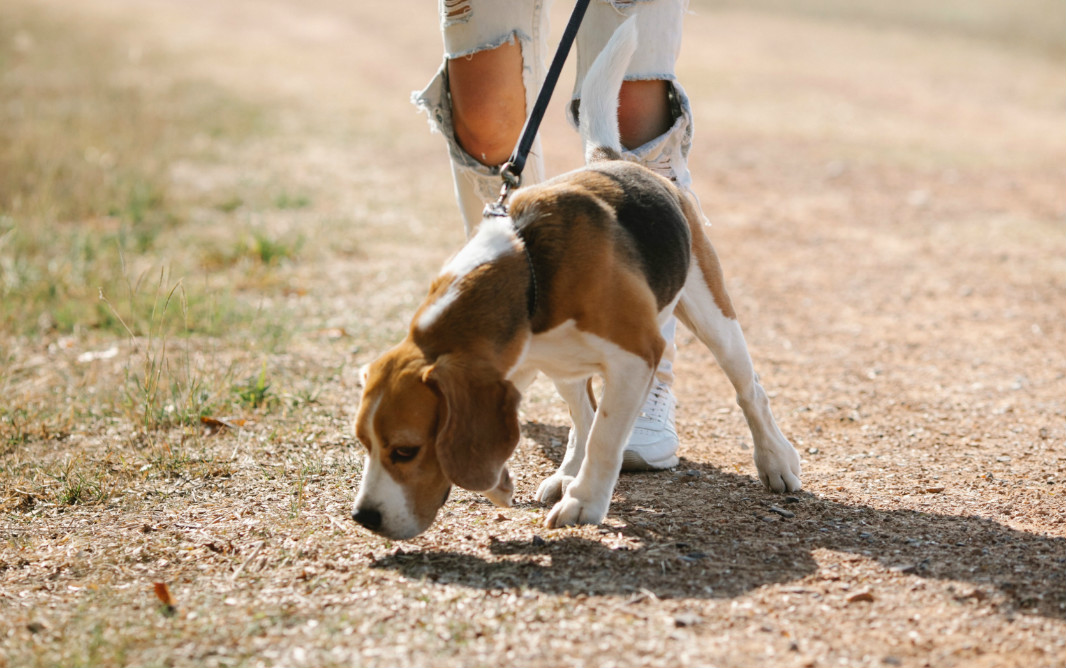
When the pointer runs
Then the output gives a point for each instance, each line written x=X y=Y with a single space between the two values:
x=890 y=207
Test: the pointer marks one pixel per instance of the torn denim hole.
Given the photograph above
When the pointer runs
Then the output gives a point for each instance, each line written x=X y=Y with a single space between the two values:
x=475 y=183
x=435 y=100
x=454 y=12
x=497 y=42
x=676 y=108
x=667 y=154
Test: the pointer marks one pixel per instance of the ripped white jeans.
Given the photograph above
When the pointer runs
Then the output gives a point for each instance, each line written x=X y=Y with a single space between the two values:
x=470 y=26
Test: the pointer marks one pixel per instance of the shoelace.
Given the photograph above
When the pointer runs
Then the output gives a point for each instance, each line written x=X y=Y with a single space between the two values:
x=658 y=404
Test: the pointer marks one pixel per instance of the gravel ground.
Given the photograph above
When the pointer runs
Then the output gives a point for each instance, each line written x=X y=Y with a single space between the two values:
x=889 y=201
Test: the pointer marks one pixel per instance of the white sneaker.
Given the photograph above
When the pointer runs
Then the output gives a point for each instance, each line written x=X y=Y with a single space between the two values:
x=653 y=443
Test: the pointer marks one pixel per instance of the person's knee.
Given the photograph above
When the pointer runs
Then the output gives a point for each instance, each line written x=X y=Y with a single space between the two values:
x=643 y=111
x=488 y=102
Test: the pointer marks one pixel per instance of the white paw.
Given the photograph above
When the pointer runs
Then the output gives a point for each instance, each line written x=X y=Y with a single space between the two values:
x=571 y=511
x=778 y=464
x=553 y=488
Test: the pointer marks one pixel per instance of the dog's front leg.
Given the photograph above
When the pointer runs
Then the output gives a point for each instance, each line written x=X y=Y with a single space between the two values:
x=579 y=399
x=587 y=498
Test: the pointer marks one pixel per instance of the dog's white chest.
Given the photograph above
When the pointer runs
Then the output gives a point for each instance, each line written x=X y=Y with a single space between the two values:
x=568 y=353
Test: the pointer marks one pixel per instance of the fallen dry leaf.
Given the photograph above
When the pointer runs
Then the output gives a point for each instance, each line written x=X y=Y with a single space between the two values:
x=162 y=592
x=214 y=424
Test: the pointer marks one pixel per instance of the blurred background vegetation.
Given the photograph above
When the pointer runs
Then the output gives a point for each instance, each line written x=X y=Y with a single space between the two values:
x=1039 y=25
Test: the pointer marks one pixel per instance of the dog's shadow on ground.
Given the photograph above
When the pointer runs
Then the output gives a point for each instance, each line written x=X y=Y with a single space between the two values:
x=702 y=532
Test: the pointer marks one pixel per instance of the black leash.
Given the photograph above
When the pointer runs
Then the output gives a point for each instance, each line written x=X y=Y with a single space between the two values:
x=511 y=171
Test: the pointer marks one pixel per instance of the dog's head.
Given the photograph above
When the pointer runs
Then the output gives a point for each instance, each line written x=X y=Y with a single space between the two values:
x=426 y=426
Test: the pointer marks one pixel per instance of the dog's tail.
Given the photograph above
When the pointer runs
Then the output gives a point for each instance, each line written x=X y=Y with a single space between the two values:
x=598 y=115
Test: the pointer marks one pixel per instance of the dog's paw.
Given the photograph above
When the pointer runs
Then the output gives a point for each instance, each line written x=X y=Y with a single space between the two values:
x=553 y=488
x=779 y=467
x=570 y=511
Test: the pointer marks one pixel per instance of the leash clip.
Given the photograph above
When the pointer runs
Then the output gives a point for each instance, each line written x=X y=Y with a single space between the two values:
x=511 y=181
x=511 y=175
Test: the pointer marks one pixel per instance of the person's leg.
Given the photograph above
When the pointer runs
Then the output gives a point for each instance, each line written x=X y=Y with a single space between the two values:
x=643 y=111
x=493 y=67
x=488 y=102
x=655 y=124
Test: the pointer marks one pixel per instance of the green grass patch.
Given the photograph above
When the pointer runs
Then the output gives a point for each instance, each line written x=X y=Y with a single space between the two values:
x=270 y=251
x=287 y=201
x=88 y=202
x=255 y=393
x=103 y=240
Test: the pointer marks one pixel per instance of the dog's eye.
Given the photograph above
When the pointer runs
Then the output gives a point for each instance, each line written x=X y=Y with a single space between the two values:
x=403 y=453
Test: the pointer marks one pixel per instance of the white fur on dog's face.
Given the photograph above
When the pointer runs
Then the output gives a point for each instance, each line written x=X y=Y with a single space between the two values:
x=379 y=490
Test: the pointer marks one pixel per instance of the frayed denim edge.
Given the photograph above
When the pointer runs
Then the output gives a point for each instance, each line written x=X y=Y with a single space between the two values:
x=491 y=44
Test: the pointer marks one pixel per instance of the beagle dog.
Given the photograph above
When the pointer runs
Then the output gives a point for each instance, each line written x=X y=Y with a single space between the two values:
x=575 y=282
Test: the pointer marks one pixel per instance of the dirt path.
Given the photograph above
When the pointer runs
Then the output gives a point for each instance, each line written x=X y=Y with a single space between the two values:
x=890 y=206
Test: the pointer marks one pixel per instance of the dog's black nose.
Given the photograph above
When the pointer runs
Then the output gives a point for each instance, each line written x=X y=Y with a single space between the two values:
x=368 y=517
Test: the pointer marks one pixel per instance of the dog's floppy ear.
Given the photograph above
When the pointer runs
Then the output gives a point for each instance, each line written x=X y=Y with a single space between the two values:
x=478 y=421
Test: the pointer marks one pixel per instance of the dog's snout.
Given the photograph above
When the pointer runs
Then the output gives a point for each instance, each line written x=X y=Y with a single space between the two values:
x=368 y=517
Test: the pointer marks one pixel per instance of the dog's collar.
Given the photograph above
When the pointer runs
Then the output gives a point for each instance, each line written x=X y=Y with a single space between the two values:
x=531 y=292
x=499 y=210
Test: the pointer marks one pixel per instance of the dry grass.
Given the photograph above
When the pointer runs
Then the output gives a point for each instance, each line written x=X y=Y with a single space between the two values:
x=262 y=210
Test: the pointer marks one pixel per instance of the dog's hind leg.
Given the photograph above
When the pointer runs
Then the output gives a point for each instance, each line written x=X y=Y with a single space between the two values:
x=579 y=398
x=706 y=310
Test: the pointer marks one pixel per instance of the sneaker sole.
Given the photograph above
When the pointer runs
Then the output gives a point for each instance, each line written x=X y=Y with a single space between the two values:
x=631 y=461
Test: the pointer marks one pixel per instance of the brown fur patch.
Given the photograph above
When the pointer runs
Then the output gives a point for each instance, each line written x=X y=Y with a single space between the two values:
x=478 y=420
x=584 y=268
x=602 y=153
x=487 y=314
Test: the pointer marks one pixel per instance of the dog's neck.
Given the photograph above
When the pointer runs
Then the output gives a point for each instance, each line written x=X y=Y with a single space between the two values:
x=483 y=297
x=531 y=292
x=498 y=213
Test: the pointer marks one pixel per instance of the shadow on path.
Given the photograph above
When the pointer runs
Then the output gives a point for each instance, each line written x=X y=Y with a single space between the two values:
x=722 y=539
